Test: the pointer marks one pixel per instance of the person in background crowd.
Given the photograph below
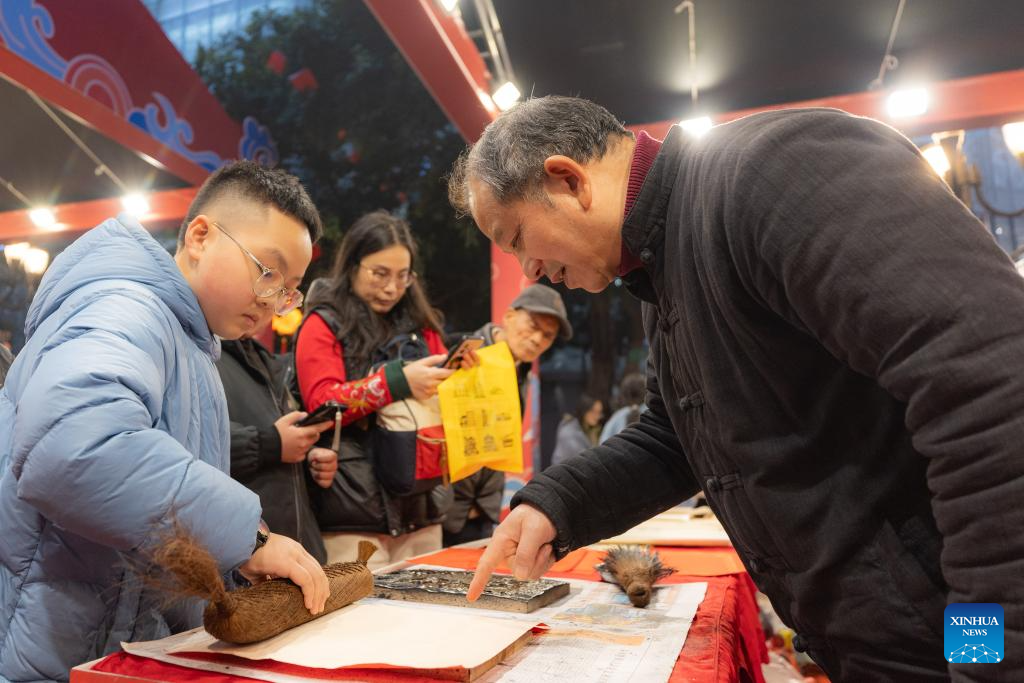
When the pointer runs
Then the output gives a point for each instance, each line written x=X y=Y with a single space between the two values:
x=370 y=338
x=578 y=431
x=269 y=451
x=114 y=429
x=632 y=391
x=529 y=326
x=834 y=357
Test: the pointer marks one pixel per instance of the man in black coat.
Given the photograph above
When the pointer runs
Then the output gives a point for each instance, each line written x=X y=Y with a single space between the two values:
x=268 y=448
x=835 y=347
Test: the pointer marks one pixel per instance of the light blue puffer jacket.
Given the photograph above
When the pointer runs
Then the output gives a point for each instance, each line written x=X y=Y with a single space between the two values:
x=112 y=424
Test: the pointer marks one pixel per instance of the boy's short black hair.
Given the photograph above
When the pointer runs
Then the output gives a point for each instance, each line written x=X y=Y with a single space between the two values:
x=268 y=186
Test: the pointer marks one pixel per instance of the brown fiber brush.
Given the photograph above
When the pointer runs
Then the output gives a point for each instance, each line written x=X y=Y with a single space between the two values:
x=635 y=569
x=261 y=611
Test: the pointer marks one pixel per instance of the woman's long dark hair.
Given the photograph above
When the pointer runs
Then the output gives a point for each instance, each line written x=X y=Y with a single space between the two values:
x=362 y=330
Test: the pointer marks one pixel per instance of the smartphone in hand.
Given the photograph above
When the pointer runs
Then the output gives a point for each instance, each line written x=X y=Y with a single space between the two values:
x=324 y=413
x=468 y=342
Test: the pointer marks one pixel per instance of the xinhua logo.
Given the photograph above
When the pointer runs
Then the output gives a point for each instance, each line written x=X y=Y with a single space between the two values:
x=974 y=633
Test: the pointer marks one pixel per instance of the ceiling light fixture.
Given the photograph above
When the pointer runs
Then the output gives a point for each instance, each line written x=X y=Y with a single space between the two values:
x=506 y=96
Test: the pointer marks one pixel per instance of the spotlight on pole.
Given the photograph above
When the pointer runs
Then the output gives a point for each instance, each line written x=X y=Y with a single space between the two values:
x=16 y=251
x=937 y=159
x=35 y=261
x=506 y=96
x=696 y=126
x=43 y=217
x=904 y=104
x=135 y=204
x=1013 y=135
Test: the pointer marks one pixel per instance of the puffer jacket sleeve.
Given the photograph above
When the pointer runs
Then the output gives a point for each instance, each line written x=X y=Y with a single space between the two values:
x=88 y=453
x=633 y=476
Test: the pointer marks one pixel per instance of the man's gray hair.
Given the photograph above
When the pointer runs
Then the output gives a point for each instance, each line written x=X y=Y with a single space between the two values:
x=509 y=157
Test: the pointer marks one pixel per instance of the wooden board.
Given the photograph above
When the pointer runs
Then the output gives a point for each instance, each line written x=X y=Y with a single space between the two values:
x=449 y=587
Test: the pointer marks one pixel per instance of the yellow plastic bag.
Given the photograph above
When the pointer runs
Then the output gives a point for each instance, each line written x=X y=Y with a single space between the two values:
x=480 y=411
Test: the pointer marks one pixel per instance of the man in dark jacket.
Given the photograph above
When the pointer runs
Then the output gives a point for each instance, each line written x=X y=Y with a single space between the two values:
x=834 y=361
x=268 y=449
x=530 y=325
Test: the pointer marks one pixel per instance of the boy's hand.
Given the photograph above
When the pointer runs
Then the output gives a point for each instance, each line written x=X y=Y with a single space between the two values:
x=296 y=441
x=323 y=463
x=284 y=558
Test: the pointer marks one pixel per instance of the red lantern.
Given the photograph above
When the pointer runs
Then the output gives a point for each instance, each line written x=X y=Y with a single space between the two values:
x=303 y=80
x=277 y=62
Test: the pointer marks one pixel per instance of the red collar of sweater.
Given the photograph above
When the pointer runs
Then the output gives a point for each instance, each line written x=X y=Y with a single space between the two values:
x=643 y=158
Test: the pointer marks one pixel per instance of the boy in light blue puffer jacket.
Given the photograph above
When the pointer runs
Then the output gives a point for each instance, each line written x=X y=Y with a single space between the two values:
x=113 y=422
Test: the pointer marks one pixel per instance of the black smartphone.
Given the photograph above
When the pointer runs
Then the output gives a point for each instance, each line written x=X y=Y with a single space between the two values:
x=322 y=414
x=468 y=342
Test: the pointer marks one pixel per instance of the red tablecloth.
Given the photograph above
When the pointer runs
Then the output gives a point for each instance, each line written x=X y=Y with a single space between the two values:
x=724 y=640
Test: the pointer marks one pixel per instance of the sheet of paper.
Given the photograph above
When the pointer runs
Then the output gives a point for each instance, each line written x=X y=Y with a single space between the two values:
x=380 y=632
x=676 y=526
x=597 y=635
x=159 y=650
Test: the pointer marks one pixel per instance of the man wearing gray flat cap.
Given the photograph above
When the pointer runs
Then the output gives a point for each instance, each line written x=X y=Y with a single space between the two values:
x=529 y=326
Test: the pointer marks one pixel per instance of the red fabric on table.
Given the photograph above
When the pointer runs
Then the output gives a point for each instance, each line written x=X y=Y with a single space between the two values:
x=124 y=664
x=724 y=639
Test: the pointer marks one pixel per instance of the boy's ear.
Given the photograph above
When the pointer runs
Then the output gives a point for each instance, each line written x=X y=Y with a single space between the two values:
x=196 y=236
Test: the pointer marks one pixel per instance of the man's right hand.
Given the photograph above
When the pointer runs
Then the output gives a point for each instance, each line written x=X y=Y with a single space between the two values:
x=296 y=441
x=523 y=542
x=284 y=558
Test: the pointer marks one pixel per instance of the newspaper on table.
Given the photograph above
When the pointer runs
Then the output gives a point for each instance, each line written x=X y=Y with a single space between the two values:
x=595 y=634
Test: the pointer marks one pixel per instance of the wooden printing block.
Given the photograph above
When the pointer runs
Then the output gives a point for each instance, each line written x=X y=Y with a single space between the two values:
x=449 y=587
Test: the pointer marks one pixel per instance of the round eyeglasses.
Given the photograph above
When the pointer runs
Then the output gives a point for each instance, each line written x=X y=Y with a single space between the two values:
x=382 y=277
x=270 y=283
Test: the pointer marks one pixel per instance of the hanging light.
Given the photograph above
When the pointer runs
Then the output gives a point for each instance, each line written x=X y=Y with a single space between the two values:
x=35 y=260
x=16 y=251
x=936 y=157
x=696 y=126
x=1013 y=135
x=906 y=103
x=135 y=204
x=506 y=96
x=43 y=217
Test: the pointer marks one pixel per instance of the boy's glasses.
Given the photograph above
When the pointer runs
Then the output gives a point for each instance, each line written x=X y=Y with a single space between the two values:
x=270 y=283
x=381 y=277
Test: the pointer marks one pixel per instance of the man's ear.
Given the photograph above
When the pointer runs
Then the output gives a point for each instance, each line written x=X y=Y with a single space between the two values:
x=197 y=235
x=508 y=316
x=566 y=177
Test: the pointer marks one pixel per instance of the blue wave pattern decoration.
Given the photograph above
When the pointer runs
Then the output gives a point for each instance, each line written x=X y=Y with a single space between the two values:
x=25 y=28
x=257 y=144
x=176 y=133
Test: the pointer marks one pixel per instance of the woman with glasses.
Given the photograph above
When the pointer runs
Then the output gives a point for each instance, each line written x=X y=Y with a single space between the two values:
x=371 y=338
